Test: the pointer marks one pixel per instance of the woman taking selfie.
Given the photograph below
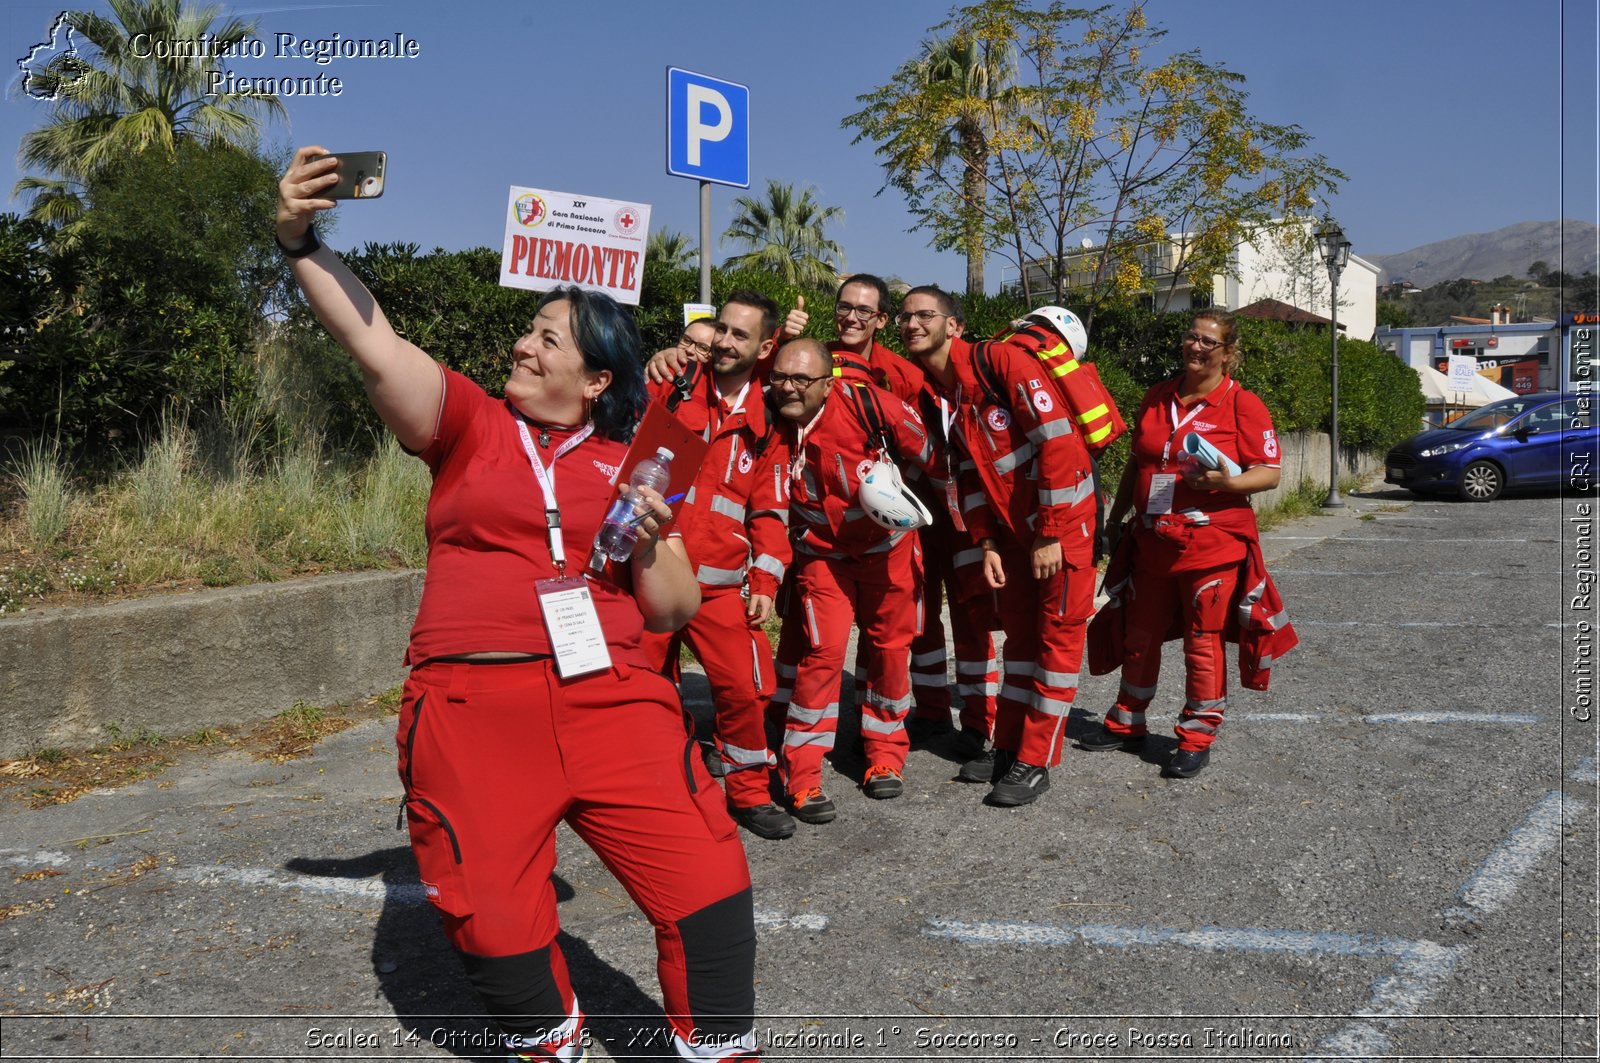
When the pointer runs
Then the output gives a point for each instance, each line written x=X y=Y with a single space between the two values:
x=529 y=701
x=1194 y=534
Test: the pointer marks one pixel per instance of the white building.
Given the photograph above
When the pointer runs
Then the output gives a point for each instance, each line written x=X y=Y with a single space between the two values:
x=1279 y=264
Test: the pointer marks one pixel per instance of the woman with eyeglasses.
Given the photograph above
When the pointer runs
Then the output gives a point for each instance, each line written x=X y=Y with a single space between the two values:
x=1192 y=535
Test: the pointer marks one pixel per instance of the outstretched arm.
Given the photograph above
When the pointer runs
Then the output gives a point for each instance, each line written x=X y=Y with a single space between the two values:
x=403 y=383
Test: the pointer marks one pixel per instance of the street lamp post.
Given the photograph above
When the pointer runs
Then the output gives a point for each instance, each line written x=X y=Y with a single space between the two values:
x=1335 y=251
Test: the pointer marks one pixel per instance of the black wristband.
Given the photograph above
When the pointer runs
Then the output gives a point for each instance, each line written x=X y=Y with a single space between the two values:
x=311 y=245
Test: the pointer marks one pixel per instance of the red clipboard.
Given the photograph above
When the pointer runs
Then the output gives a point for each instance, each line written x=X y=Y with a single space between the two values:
x=657 y=429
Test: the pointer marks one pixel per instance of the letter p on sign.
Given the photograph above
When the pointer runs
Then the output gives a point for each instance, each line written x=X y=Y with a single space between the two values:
x=700 y=98
x=708 y=128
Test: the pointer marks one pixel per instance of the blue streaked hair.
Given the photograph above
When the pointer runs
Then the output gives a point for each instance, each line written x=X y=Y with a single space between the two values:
x=609 y=341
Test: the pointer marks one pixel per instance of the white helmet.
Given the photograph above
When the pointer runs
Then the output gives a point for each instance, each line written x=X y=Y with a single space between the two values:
x=888 y=502
x=1066 y=325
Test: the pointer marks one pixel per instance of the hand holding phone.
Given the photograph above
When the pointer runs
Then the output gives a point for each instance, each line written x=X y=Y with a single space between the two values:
x=361 y=174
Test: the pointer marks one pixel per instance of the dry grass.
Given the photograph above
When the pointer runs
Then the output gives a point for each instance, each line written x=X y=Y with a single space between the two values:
x=181 y=519
x=56 y=776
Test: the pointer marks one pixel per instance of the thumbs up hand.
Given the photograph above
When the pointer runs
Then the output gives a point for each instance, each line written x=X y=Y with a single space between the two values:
x=795 y=322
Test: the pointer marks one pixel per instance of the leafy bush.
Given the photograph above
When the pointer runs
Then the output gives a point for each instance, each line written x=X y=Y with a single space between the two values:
x=154 y=306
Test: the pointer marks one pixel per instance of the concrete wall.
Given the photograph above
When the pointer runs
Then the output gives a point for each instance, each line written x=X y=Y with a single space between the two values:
x=176 y=664
x=1305 y=457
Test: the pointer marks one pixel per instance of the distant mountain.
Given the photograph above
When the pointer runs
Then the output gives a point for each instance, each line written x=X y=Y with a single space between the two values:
x=1485 y=256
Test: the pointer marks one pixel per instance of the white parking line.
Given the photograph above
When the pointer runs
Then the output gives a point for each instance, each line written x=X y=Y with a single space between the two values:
x=1420 y=967
x=1492 y=886
x=1497 y=718
x=405 y=893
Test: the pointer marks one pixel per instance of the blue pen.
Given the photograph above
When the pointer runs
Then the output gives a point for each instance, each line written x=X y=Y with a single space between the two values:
x=640 y=519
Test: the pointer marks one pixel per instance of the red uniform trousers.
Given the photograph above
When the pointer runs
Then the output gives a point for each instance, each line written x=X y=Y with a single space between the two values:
x=1197 y=578
x=878 y=593
x=738 y=664
x=1044 y=621
x=493 y=756
x=971 y=621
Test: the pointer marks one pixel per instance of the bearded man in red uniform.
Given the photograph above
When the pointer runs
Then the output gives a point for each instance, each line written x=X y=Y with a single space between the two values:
x=733 y=525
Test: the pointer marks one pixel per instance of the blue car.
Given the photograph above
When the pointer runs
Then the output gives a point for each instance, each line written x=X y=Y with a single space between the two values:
x=1543 y=440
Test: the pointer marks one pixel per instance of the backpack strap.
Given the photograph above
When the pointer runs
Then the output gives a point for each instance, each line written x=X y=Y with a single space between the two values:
x=872 y=417
x=683 y=385
x=989 y=379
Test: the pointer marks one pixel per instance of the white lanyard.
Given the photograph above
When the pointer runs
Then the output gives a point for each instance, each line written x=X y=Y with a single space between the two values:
x=1177 y=425
x=798 y=465
x=714 y=422
x=547 y=484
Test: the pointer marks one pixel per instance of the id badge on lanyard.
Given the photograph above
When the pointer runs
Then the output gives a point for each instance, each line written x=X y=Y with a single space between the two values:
x=1163 y=485
x=576 y=637
x=952 y=490
x=566 y=603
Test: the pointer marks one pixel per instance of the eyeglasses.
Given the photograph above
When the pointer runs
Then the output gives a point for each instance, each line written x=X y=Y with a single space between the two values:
x=924 y=316
x=798 y=381
x=1205 y=343
x=702 y=349
x=860 y=313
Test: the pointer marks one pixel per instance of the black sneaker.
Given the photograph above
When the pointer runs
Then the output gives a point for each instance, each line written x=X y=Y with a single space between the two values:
x=765 y=821
x=1099 y=740
x=979 y=769
x=1186 y=763
x=812 y=806
x=1020 y=785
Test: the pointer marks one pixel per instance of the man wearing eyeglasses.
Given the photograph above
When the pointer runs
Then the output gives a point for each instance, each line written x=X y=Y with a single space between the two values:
x=847 y=568
x=1028 y=496
x=733 y=523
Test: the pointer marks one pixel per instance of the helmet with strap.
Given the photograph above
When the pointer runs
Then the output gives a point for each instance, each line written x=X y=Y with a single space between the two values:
x=887 y=500
x=1065 y=324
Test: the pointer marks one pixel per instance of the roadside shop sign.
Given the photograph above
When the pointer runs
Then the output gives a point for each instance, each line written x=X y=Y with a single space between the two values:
x=1463 y=373
x=708 y=128
x=558 y=238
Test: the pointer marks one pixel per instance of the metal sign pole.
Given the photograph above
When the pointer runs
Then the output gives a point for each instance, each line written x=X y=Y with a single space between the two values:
x=705 y=242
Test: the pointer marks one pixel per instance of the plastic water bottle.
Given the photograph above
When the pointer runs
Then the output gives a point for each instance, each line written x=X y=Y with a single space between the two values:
x=620 y=531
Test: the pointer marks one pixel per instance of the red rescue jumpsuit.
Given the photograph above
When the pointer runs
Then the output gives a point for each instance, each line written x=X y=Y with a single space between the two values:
x=1024 y=459
x=1189 y=555
x=494 y=755
x=734 y=525
x=946 y=551
x=846 y=568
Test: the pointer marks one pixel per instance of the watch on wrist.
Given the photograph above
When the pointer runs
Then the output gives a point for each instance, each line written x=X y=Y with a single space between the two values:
x=309 y=247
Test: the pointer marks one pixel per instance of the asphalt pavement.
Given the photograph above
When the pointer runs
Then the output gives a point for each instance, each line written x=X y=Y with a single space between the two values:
x=1391 y=855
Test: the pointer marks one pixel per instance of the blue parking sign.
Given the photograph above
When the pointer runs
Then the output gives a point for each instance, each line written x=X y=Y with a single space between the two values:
x=708 y=128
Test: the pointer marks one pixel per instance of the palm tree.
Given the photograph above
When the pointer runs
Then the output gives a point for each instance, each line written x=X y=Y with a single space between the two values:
x=972 y=81
x=672 y=248
x=784 y=235
x=121 y=99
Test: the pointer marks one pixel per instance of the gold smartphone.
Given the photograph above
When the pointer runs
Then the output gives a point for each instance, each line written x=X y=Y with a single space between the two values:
x=361 y=174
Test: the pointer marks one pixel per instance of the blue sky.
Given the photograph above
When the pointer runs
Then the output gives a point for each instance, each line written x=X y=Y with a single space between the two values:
x=1449 y=116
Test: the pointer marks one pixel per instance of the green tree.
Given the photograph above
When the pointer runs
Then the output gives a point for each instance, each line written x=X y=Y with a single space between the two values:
x=786 y=235
x=672 y=248
x=129 y=93
x=1098 y=139
x=962 y=85
x=158 y=306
